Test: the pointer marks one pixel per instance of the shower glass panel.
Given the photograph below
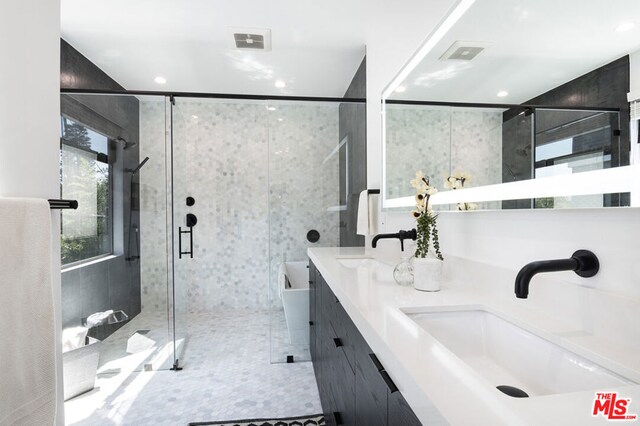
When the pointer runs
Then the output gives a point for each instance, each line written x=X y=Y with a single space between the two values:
x=220 y=163
x=254 y=184
x=115 y=247
x=304 y=211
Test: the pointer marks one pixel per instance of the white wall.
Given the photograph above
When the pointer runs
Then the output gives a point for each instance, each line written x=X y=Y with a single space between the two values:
x=29 y=116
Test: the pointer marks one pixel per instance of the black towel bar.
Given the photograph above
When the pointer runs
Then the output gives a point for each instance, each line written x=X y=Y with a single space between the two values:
x=63 y=204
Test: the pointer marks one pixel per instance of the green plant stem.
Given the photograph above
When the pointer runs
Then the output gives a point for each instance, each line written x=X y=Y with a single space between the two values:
x=427 y=229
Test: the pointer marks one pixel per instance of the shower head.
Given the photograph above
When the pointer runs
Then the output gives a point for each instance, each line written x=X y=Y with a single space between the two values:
x=134 y=171
x=127 y=144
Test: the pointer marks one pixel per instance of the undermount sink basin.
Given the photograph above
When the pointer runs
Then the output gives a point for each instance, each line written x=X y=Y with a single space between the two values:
x=381 y=271
x=356 y=262
x=505 y=354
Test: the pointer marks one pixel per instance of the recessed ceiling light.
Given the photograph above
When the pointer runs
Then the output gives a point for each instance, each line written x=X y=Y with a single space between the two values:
x=271 y=108
x=625 y=26
x=280 y=84
x=160 y=80
x=401 y=89
x=502 y=94
x=280 y=119
x=195 y=117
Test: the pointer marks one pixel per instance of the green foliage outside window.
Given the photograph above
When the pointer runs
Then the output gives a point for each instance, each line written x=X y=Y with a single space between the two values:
x=86 y=232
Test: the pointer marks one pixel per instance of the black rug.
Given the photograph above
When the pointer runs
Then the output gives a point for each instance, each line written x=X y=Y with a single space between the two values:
x=313 y=420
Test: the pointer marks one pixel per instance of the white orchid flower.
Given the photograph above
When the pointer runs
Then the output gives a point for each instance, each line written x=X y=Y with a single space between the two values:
x=467 y=206
x=432 y=190
x=422 y=188
x=448 y=182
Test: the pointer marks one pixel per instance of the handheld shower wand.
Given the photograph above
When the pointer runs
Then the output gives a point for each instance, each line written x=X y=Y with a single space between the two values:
x=138 y=167
x=133 y=172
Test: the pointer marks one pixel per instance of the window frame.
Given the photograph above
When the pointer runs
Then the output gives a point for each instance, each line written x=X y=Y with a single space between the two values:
x=110 y=180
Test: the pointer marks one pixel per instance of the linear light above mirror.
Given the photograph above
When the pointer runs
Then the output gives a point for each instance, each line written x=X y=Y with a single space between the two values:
x=544 y=94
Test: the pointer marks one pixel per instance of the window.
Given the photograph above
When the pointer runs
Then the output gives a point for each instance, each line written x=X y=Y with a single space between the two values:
x=85 y=176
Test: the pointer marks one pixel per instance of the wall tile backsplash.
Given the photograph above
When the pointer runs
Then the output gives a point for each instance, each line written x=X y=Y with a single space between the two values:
x=254 y=173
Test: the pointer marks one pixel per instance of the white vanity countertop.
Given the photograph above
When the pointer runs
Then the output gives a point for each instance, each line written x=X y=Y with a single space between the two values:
x=431 y=377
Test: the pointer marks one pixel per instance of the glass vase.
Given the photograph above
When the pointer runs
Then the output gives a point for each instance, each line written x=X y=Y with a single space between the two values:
x=403 y=272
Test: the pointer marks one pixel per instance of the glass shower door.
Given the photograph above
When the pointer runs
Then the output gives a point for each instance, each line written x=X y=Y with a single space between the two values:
x=114 y=283
x=305 y=185
x=220 y=222
x=182 y=222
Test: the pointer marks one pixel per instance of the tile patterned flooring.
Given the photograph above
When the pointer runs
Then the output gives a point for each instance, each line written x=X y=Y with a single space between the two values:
x=227 y=375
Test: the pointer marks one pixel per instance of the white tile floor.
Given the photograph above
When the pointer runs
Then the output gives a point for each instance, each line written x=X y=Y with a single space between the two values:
x=227 y=375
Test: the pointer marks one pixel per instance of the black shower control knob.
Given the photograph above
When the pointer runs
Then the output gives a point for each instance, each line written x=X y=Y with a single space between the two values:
x=313 y=236
x=191 y=201
x=191 y=220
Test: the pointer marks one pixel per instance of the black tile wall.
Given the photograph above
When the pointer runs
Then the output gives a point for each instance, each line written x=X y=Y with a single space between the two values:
x=353 y=125
x=605 y=87
x=113 y=283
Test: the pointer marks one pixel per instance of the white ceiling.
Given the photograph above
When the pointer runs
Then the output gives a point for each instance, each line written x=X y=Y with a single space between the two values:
x=533 y=46
x=316 y=49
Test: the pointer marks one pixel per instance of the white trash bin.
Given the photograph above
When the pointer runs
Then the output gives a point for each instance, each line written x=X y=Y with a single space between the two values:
x=80 y=366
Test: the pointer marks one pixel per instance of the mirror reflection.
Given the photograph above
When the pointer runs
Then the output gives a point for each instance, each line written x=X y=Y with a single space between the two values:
x=513 y=91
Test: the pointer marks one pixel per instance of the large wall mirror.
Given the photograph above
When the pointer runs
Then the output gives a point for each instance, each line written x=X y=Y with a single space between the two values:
x=513 y=104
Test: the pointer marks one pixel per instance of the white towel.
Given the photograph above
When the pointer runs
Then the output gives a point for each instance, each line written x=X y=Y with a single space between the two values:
x=27 y=343
x=368 y=206
x=98 y=318
x=374 y=209
x=73 y=338
x=362 y=226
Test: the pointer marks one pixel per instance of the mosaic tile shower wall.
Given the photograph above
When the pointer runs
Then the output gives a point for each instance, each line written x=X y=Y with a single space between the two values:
x=222 y=159
x=476 y=145
x=445 y=141
x=303 y=182
x=416 y=139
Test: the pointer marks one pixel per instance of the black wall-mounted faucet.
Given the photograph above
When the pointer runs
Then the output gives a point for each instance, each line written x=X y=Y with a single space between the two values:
x=582 y=262
x=401 y=235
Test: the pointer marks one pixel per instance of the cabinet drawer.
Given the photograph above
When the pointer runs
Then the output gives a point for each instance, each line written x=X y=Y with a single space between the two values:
x=338 y=381
x=371 y=395
x=347 y=332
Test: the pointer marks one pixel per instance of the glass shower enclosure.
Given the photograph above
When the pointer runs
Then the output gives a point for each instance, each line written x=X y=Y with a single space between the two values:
x=210 y=207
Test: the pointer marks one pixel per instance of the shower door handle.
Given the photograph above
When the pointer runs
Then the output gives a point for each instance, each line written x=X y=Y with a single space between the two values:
x=180 y=233
x=191 y=222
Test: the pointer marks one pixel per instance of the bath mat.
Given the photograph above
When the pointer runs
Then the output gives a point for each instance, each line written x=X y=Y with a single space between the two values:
x=313 y=420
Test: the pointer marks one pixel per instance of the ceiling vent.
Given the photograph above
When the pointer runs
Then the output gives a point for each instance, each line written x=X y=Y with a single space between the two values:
x=252 y=38
x=463 y=51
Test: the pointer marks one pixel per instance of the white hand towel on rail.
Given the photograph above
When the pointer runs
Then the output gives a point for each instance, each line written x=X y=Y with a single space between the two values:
x=362 y=226
x=27 y=343
x=368 y=206
x=374 y=209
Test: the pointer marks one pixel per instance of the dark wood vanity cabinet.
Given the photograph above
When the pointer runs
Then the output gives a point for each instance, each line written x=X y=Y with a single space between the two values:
x=354 y=387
